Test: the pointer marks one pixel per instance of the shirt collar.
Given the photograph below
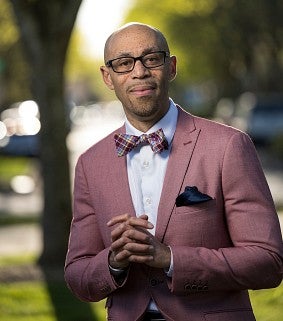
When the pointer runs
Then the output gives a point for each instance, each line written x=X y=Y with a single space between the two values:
x=168 y=123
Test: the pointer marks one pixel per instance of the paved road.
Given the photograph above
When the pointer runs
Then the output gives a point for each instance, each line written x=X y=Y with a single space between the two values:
x=20 y=239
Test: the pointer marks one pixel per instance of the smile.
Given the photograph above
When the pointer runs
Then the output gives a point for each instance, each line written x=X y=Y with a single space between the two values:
x=142 y=90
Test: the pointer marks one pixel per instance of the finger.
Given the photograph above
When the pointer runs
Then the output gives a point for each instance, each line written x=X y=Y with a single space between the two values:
x=130 y=220
x=138 y=235
x=143 y=216
x=131 y=236
x=146 y=259
x=131 y=246
x=119 y=230
x=123 y=218
x=126 y=255
x=118 y=219
x=117 y=264
x=118 y=244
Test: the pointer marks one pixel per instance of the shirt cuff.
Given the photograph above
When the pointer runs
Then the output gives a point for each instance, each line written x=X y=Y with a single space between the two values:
x=115 y=271
x=169 y=272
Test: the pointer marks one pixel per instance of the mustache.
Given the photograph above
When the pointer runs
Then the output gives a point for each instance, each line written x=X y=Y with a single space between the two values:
x=150 y=84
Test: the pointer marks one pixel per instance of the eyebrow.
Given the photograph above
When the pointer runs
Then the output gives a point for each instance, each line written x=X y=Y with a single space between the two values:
x=144 y=52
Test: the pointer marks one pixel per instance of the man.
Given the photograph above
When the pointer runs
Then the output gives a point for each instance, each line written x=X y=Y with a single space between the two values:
x=169 y=229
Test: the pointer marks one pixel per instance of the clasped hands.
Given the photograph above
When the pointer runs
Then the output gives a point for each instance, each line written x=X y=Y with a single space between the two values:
x=132 y=242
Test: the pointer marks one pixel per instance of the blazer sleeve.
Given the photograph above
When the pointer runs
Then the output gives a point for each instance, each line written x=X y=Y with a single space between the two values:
x=86 y=268
x=254 y=260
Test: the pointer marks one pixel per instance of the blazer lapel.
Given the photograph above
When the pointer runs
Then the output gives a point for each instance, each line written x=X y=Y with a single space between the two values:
x=183 y=145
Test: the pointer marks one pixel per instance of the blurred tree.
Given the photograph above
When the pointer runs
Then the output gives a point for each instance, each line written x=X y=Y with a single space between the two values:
x=236 y=43
x=13 y=69
x=81 y=68
x=15 y=72
x=45 y=29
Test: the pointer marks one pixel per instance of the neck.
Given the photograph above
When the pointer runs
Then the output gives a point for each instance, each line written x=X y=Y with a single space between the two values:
x=143 y=124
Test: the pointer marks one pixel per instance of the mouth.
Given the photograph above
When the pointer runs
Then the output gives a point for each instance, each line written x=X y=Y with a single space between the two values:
x=142 y=90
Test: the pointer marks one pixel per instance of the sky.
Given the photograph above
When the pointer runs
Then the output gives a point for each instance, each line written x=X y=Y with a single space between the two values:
x=97 y=19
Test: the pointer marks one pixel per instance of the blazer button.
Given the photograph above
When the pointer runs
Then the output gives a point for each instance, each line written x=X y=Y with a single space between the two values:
x=194 y=287
x=187 y=287
x=153 y=282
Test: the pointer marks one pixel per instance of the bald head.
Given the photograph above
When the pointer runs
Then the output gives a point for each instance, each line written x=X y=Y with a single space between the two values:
x=132 y=33
x=142 y=73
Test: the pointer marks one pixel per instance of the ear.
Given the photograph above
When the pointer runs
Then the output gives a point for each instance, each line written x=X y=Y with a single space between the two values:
x=172 y=68
x=106 y=77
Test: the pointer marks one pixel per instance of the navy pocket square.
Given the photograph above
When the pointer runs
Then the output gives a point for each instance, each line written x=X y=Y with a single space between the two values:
x=191 y=196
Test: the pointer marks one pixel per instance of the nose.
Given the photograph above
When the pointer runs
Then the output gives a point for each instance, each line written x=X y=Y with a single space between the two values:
x=140 y=71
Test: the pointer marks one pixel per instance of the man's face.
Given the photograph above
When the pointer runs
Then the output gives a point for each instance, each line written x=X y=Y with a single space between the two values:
x=143 y=92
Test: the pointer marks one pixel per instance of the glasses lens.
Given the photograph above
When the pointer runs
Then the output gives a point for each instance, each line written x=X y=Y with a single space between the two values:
x=154 y=59
x=123 y=64
x=126 y=64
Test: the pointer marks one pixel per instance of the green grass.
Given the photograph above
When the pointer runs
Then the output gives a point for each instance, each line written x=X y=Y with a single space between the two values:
x=42 y=300
x=17 y=260
x=268 y=304
x=52 y=301
x=9 y=220
x=11 y=166
x=29 y=301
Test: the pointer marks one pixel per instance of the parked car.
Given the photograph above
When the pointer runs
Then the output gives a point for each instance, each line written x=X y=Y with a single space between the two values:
x=19 y=129
x=26 y=145
x=265 y=120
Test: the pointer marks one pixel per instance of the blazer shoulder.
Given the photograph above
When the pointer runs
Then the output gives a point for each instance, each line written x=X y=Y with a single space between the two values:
x=214 y=128
x=212 y=133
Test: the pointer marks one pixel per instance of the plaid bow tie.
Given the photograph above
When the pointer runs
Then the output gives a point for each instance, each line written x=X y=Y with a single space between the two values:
x=125 y=143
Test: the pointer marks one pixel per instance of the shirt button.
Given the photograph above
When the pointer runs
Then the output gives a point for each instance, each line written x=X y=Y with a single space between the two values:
x=145 y=164
x=148 y=200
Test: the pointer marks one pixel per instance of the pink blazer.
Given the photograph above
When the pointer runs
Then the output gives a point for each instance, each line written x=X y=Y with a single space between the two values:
x=221 y=248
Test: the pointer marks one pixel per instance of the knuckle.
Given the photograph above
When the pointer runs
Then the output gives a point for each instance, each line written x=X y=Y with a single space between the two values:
x=124 y=240
x=129 y=233
x=128 y=247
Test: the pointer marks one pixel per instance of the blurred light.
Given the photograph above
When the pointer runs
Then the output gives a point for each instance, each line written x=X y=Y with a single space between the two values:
x=22 y=119
x=92 y=123
x=4 y=141
x=3 y=130
x=10 y=113
x=225 y=109
x=22 y=184
x=247 y=100
x=11 y=125
x=77 y=115
x=28 y=108
x=29 y=126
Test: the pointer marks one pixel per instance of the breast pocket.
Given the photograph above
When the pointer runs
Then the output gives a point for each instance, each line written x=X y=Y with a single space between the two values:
x=188 y=224
x=206 y=208
x=199 y=225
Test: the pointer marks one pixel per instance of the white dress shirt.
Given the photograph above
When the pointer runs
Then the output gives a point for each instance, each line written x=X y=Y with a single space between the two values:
x=146 y=172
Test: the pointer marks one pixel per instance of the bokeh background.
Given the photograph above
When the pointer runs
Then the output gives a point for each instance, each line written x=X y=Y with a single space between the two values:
x=54 y=105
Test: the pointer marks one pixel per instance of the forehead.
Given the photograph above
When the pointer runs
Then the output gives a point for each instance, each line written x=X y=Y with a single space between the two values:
x=134 y=40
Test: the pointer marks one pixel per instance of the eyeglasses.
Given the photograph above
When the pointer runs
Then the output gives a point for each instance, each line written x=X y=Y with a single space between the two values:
x=126 y=64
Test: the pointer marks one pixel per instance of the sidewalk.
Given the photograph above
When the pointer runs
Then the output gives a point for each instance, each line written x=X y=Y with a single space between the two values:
x=20 y=240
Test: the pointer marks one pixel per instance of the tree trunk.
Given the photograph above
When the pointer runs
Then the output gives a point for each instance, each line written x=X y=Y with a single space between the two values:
x=45 y=28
